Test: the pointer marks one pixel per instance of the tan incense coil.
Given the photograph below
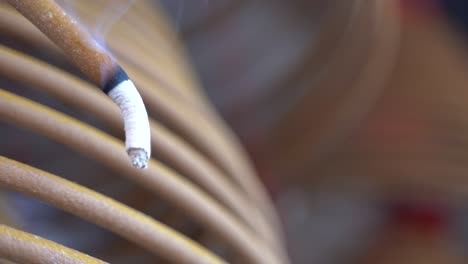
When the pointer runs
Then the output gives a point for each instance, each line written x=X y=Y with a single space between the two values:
x=77 y=44
x=22 y=247
x=184 y=120
x=201 y=173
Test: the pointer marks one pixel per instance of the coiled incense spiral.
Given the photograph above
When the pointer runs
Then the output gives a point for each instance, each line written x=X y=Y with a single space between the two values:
x=99 y=66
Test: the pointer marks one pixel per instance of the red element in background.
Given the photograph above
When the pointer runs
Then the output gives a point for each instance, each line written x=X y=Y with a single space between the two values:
x=425 y=217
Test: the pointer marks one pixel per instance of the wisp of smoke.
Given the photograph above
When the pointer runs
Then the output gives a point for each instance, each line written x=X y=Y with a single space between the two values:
x=112 y=12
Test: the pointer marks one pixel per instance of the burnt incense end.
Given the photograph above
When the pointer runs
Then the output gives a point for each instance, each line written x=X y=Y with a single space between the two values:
x=119 y=76
x=139 y=157
x=137 y=130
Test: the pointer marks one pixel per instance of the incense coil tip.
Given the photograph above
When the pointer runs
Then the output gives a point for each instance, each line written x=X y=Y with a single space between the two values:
x=139 y=157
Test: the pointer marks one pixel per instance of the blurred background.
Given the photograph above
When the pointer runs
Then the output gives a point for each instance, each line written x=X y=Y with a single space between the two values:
x=354 y=113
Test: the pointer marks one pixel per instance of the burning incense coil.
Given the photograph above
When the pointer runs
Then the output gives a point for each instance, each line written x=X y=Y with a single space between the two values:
x=204 y=172
x=99 y=66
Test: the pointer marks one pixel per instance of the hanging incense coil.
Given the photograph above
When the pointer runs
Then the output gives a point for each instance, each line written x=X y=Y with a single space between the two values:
x=203 y=197
x=200 y=172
